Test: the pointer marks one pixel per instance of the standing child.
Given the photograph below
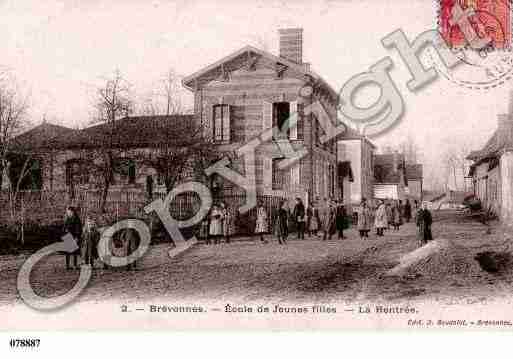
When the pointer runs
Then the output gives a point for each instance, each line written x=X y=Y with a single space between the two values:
x=203 y=231
x=261 y=223
x=216 y=224
x=313 y=225
x=90 y=240
x=229 y=222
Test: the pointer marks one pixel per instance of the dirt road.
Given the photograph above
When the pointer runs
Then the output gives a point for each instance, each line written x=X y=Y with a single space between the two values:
x=302 y=271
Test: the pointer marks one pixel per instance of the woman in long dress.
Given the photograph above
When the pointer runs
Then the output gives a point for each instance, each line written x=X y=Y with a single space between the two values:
x=364 y=220
x=73 y=226
x=216 y=224
x=381 y=220
x=397 y=216
x=261 y=226
x=281 y=229
x=313 y=220
x=424 y=221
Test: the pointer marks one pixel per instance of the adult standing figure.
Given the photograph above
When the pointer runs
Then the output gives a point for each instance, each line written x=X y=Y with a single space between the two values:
x=149 y=187
x=424 y=221
x=281 y=229
x=407 y=211
x=131 y=240
x=229 y=222
x=331 y=221
x=390 y=216
x=90 y=240
x=73 y=226
x=341 y=219
x=381 y=220
x=323 y=216
x=299 y=217
x=216 y=224
x=397 y=219
x=261 y=226
x=364 y=219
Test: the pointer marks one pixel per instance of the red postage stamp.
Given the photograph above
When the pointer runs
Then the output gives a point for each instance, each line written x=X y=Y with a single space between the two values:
x=488 y=19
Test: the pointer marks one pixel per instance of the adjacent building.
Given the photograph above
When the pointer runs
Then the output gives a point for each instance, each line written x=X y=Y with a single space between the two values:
x=390 y=179
x=356 y=154
x=492 y=170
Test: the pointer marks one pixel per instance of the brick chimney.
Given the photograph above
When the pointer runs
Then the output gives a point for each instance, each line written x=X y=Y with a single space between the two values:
x=291 y=44
x=395 y=161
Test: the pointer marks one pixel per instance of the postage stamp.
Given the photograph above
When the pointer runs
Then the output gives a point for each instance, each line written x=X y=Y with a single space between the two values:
x=490 y=19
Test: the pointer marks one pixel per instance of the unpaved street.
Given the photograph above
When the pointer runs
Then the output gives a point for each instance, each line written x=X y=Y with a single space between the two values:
x=302 y=271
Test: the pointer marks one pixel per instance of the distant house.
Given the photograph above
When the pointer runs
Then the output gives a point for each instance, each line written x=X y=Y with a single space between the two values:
x=250 y=91
x=390 y=180
x=492 y=170
x=414 y=178
x=357 y=152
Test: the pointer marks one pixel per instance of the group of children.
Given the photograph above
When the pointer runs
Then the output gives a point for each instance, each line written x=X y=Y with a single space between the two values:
x=326 y=218
x=392 y=214
x=87 y=237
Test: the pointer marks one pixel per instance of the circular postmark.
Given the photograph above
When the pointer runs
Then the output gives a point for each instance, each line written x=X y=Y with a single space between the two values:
x=485 y=68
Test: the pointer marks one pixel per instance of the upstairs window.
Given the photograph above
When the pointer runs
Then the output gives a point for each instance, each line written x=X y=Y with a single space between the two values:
x=281 y=113
x=221 y=123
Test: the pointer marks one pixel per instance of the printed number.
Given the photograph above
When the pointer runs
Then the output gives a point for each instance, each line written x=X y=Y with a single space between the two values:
x=124 y=309
x=24 y=343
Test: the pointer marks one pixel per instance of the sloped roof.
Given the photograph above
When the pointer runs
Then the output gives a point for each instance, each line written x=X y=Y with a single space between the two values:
x=490 y=149
x=45 y=135
x=414 y=171
x=130 y=132
x=188 y=82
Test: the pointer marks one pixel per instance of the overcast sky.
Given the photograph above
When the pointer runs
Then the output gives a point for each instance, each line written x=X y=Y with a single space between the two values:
x=61 y=50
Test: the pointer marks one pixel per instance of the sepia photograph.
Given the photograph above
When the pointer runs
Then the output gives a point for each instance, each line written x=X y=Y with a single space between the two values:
x=255 y=165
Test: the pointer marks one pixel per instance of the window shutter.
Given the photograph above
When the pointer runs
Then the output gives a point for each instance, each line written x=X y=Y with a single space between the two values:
x=295 y=175
x=293 y=119
x=267 y=172
x=300 y=123
x=227 y=118
x=208 y=121
x=267 y=115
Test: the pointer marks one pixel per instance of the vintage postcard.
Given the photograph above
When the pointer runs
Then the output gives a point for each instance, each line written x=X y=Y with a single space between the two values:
x=301 y=165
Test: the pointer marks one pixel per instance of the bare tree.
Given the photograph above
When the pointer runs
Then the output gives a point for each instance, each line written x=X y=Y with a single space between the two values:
x=167 y=98
x=180 y=152
x=454 y=159
x=13 y=120
x=112 y=102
